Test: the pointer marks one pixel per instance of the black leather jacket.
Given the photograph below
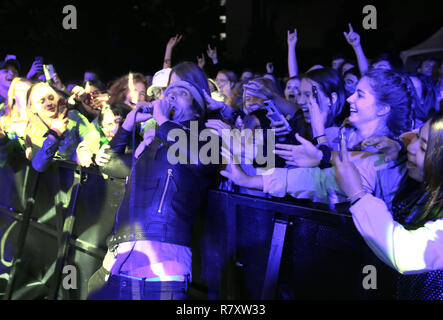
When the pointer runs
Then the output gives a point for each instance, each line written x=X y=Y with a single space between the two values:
x=162 y=200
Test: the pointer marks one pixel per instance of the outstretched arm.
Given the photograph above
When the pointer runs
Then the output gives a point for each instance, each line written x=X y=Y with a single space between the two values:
x=169 y=48
x=353 y=39
x=292 y=59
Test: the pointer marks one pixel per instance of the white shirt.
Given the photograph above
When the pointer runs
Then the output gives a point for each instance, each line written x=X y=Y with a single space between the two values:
x=407 y=251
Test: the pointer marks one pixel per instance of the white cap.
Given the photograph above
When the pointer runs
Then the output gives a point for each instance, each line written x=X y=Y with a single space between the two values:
x=160 y=80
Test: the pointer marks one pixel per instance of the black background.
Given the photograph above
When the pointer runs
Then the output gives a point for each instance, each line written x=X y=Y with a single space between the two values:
x=129 y=35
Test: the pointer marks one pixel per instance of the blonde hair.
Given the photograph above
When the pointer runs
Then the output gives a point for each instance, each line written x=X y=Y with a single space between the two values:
x=16 y=115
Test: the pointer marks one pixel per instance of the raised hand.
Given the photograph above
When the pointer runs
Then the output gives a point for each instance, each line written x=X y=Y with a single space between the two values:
x=97 y=102
x=347 y=175
x=60 y=123
x=173 y=41
x=212 y=53
x=201 y=61
x=270 y=67
x=304 y=155
x=256 y=89
x=79 y=93
x=211 y=103
x=102 y=158
x=388 y=146
x=84 y=156
x=37 y=67
x=236 y=174
x=130 y=121
x=147 y=139
x=317 y=121
x=292 y=38
x=279 y=126
x=352 y=37
x=162 y=111
x=218 y=126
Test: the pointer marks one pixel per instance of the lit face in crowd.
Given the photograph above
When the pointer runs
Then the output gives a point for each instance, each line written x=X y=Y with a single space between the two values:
x=137 y=95
x=223 y=83
x=418 y=87
x=110 y=123
x=181 y=100
x=246 y=76
x=7 y=75
x=337 y=63
x=291 y=90
x=350 y=83
x=304 y=100
x=363 y=104
x=346 y=67
x=174 y=78
x=382 y=64
x=416 y=154
x=44 y=101
x=426 y=67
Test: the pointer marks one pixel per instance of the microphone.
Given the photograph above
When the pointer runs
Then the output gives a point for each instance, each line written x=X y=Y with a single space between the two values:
x=145 y=107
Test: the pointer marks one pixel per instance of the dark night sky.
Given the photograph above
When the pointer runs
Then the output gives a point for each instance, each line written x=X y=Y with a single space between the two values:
x=116 y=37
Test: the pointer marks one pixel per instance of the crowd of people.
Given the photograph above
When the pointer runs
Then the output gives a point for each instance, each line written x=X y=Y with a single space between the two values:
x=360 y=130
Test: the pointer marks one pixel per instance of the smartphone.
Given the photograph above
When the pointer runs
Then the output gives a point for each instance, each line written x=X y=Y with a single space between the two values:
x=315 y=94
x=341 y=138
x=276 y=114
x=48 y=70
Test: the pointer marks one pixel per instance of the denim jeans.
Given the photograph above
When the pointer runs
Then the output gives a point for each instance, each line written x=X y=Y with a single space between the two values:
x=120 y=287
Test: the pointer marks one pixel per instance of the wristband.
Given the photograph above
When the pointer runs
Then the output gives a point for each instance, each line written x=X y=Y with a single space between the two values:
x=53 y=133
x=356 y=196
x=323 y=135
x=325 y=160
x=354 y=202
x=222 y=110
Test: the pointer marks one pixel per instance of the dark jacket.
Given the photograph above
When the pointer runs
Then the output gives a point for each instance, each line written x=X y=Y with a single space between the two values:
x=162 y=200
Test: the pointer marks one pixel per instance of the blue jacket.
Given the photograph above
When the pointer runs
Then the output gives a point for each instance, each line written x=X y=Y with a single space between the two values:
x=162 y=200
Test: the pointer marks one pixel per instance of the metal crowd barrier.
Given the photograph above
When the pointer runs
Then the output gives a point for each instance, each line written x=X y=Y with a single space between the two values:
x=244 y=247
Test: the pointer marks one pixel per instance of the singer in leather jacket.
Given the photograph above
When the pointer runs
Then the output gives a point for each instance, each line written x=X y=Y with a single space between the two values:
x=162 y=200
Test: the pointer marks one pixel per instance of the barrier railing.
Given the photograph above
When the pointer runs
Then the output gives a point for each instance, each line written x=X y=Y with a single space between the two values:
x=244 y=247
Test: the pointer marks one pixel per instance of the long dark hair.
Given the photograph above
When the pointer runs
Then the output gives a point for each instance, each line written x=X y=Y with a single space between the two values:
x=434 y=168
x=429 y=93
x=330 y=81
x=119 y=89
x=416 y=203
x=190 y=72
x=397 y=91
